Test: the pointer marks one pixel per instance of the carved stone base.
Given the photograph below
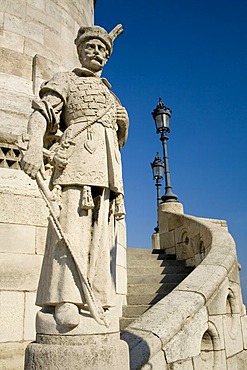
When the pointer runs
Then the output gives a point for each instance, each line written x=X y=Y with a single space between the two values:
x=87 y=352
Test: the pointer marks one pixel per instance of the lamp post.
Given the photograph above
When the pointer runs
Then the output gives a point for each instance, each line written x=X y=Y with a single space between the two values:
x=158 y=173
x=161 y=115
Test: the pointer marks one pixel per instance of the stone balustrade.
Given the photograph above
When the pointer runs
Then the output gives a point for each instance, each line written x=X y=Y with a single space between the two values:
x=201 y=324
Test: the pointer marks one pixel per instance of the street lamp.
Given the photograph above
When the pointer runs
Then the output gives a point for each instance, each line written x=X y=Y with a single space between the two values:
x=158 y=173
x=161 y=115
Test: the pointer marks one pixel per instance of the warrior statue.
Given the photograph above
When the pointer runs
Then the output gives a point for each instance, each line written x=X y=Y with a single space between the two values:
x=86 y=179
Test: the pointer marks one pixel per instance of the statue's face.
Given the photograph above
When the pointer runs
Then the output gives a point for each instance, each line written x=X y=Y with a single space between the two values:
x=93 y=55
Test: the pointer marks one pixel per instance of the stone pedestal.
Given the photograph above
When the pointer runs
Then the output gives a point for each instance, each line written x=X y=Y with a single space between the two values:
x=87 y=352
x=174 y=207
x=89 y=346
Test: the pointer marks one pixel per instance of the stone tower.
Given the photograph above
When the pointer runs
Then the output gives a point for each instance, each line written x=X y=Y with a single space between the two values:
x=36 y=40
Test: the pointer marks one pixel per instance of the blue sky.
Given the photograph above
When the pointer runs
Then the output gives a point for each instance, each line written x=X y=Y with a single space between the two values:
x=194 y=55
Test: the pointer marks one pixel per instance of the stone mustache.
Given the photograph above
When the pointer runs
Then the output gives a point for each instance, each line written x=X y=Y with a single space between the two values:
x=86 y=191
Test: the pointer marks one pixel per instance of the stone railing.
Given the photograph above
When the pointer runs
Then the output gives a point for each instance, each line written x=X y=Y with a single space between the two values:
x=201 y=324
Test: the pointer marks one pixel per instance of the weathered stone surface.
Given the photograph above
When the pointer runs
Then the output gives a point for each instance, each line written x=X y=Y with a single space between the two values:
x=12 y=355
x=40 y=239
x=121 y=255
x=35 y=210
x=182 y=365
x=167 y=240
x=11 y=316
x=84 y=352
x=24 y=28
x=12 y=41
x=29 y=317
x=156 y=362
x=10 y=62
x=19 y=272
x=232 y=334
x=187 y=343
x=17 y=238
x=203 y=280
x=121 y=280
x=143 y=346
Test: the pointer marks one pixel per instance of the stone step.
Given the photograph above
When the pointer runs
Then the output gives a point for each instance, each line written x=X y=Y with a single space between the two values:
x=144 y=299
x=153 y=263
x=134 y=310
x=158 y=278
x=146 y=270
x=149 y=256
x=124 y=322
x=154 y=288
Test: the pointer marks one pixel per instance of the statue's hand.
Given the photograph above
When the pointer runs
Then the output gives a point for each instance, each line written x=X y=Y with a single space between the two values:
x=60 y=159
x=123 y=124
x=32 y=161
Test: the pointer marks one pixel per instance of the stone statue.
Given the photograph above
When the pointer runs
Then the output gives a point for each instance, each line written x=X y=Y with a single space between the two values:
x=86 y=181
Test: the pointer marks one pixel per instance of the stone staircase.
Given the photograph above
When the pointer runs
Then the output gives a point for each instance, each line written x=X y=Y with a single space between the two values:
x=151 y=276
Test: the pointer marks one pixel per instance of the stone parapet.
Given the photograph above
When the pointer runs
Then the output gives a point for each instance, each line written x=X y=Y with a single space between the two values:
x=202 y=322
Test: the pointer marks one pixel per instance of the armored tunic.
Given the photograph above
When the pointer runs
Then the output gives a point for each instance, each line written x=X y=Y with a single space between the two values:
x=89 y=117
x=81 y=105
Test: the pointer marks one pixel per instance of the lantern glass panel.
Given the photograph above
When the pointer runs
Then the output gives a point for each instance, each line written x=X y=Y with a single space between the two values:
x=162 y=121
x=158 y=171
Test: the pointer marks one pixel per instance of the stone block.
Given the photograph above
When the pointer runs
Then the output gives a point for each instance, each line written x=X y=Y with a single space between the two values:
x=203 y=280
x=217 y=304
x=77 y=352
x=173 y=310
x=216 y=323
x=57 y=12
x=143 y=345
x=182 y=365
x=175 y=221
x=37 y=15
x=19 y=272
x=210 y=360
x=29 y=317
x=167 y=240
x=15 y=83
x=232 y=334
x=156 y=362
x=155 y=241
x=11 y=316
x=14 y=103
x=12 y=355
x=121 y=280
x=40 y=240
x=184 y=251
x=10 y=62
x=232 y=364
x=121 y=233
x=30 y=30
x=233 y=275
x=12 y=41
x=172 y=207
x=17 y=238
x=121 y=256
x=187 y=342
x=14 y=7
x=39 y=4
x=12 y=122
x=18 y=209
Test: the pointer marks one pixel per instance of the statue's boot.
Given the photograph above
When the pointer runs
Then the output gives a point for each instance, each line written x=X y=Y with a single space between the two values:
x=67 y=314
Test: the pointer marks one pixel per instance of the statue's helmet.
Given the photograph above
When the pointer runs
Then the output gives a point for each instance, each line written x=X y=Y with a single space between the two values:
x=97 y=32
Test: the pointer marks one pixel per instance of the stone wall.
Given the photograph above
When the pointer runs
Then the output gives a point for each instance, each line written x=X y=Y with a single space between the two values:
x=202 y=323
x=36 y=40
